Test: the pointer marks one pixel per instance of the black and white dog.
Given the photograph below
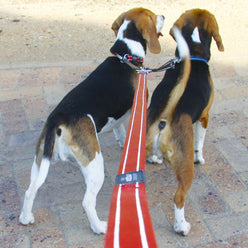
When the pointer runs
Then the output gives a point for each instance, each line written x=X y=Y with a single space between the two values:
x=97 y=104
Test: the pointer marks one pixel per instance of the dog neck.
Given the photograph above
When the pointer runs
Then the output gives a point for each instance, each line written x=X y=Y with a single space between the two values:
x=129 y=41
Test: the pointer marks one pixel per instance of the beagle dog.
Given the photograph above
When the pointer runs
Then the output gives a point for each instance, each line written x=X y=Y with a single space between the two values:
x=183 y=97
x=97 y=104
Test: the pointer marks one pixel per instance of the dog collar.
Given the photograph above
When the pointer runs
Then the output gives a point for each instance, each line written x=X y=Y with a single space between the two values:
x=198 y=59
x=131 y=58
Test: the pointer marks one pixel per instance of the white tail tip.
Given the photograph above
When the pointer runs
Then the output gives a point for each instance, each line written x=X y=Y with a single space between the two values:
x=182 y=45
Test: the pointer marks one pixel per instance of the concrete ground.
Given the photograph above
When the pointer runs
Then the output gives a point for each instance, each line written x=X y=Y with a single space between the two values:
x=217 y=204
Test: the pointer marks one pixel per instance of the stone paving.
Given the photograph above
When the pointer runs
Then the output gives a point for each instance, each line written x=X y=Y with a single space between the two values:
x=217 y=204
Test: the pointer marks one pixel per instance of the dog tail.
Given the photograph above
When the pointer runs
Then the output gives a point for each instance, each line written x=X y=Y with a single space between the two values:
x=184 y=73
x=48 y=136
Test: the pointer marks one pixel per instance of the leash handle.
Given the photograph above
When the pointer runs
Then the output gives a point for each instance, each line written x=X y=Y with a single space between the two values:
x=129 y=223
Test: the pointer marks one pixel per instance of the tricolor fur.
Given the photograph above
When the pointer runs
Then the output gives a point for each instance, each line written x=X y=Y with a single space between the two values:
x=182 y=98
x=97 y=104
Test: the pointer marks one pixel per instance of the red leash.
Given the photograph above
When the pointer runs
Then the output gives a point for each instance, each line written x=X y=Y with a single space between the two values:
x=129 y=224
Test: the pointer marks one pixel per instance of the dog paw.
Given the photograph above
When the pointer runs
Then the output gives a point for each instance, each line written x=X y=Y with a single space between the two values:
x=198 y=158
x=199 y=161
x=26 y=219
x=101 y=227
x=154 y=159
x=182 y=228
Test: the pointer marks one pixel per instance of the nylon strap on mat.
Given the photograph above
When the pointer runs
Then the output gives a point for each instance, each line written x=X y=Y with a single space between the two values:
x=129 y=223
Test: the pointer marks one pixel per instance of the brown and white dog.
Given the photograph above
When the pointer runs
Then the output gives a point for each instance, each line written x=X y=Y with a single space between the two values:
x=183 y=97
x=97 y=104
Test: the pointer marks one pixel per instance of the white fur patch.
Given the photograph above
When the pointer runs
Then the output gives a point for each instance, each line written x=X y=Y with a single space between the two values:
x=135 y=47
x=160 y=23
x=38 y=177
x=61 y=148
x=94 y=177
x=199 y=138
x=182 y=45
x=196 y=36
x=180 y=225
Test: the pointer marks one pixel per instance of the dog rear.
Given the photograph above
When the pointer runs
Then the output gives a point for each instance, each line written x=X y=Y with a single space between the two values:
x=160 y=113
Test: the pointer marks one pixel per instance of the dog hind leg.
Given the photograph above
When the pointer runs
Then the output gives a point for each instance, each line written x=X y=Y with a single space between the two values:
x=38 y=177
x=183 y=164
x=181 y=226
x=85 y=147
x=94 y=177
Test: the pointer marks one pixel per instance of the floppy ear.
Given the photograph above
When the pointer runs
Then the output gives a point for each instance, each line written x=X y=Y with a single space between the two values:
x=216 y=34
x=178 y=23
x=149 y=33
x=118 y=22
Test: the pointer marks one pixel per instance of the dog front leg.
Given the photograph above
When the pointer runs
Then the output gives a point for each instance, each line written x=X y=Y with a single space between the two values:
x=200 y=133
x=38 y=177
x=94 y=177
x=120 y=135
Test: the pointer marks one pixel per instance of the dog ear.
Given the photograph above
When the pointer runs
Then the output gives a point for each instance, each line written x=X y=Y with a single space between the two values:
x=149 y=33
x=118 y=22
x=215 y=33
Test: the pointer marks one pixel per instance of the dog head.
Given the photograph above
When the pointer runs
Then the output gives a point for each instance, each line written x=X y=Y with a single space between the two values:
x=147 y=24
x=198 y=26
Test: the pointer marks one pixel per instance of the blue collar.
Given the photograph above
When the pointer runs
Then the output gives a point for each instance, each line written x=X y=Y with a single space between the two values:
x=198 y=58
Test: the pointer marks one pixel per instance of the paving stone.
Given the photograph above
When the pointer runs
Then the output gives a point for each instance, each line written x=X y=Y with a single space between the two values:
x=207 y=199
x=9 y=224
x=54 y=93
x=47 y=237
x=241 y=132
x=235 y=152
x=76 y=226
x=74 y=75
x=49 y=75
x=221 y=172
x=237 y=104
x=8 y=78
x=244 y=177
x=15 y=241
x=20 y=93
x=227 y=118
x=165 y=237
x=29 y=77
x=23 y=139
x=222 y=69
x=238 y=201
x=234 y=92
x=239 y=241
x=35 y=108
x=227 y=226
x=8 y=195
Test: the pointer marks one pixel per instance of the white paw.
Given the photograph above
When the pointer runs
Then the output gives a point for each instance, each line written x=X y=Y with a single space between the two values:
x=26 y=219
x=154 y=159
x=198 y=158
x=101 y=227
x=182 y=228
